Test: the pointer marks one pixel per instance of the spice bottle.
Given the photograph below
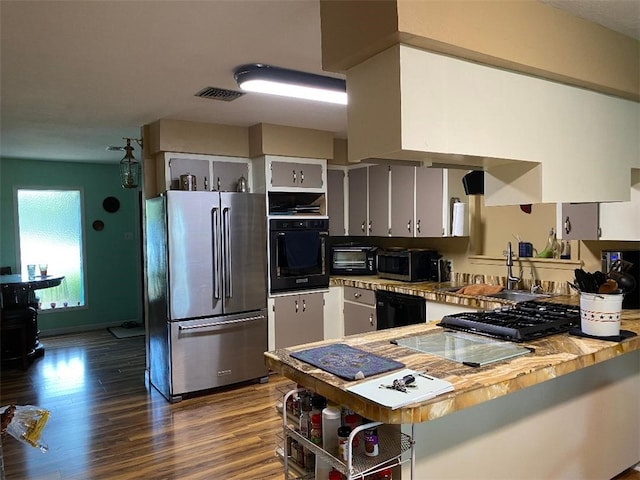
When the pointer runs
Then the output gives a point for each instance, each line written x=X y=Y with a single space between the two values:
x=371 y=442
x=315 y=433
x=343 y=441
x=305 y=420
x=353 y=421
x=386 y=474
x=334 y=475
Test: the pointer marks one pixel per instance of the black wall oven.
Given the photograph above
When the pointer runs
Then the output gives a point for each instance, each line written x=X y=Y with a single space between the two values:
x=298 y=254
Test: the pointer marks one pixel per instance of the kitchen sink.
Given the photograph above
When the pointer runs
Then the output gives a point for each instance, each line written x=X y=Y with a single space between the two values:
x=511 y=295
x=449 y=289
x=519 y=295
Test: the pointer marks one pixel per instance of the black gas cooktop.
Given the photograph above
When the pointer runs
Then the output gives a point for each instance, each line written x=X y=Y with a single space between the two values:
x=520 y=323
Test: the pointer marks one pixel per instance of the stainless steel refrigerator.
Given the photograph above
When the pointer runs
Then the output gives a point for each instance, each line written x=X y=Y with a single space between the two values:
x=206 y=285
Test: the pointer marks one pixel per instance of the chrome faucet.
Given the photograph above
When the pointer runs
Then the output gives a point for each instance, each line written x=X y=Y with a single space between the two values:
x=512 y=281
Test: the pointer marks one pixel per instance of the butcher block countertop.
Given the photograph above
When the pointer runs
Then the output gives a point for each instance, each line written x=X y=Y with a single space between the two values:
x=551 y=357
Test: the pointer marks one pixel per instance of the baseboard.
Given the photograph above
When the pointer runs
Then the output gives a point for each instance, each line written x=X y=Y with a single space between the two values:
x=52 y=332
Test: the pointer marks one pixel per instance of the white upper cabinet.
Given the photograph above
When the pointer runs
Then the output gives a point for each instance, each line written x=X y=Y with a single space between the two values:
x=621 y=220
x=539 y=141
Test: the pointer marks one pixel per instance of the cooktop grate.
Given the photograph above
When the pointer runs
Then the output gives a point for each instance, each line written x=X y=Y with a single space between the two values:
x=523 y=322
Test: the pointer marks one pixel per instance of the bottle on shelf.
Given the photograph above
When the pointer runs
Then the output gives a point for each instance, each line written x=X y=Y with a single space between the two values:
x=330 y=425
x=371 y=448
x=315 y=433
x=343 y=441
x=305 y=418
x=353 y=420
x=335 y=475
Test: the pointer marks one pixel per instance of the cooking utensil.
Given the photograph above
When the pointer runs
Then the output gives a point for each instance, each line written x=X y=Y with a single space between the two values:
x=608 y=286
x=573 y=285
x=599 y=277
x=585 y=281
x=625 y=281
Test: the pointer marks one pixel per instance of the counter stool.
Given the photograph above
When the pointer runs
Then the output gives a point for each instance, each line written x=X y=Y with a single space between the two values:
x=14 y=328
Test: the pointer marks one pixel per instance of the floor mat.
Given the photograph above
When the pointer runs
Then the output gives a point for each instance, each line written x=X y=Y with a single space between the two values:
x=121 y=332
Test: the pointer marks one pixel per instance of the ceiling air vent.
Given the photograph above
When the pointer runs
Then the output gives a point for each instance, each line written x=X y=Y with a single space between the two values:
x=215 y=93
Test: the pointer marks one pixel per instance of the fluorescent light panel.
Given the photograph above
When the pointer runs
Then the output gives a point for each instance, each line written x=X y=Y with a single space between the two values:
x=291 y=83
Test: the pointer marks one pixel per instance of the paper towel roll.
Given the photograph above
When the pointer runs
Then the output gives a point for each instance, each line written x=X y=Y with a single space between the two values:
x=459 y=219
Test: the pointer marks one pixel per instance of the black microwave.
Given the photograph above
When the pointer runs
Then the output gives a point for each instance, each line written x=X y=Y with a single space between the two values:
x=410 y=265
x=353 y=260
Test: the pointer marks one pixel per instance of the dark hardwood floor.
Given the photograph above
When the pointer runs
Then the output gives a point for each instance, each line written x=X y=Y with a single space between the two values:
x=105 y=424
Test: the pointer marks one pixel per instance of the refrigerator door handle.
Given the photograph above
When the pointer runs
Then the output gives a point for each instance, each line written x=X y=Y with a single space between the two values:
x=220 y=324
x=226 y=227
x=215 y=221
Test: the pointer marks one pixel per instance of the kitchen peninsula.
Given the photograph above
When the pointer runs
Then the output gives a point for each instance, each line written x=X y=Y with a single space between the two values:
x=567 y=410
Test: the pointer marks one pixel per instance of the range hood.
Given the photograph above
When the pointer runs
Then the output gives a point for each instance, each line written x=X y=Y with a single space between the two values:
x=537 y=140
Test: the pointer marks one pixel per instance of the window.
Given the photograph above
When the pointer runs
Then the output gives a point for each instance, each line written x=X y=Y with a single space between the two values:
x=50 y=232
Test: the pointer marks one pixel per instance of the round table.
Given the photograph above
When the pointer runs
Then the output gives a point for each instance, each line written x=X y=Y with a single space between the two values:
x=20 y=314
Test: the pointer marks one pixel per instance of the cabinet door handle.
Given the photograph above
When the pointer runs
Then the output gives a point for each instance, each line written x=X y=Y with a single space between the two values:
x=371 y=319
x=357 y=295
x=296 y=306
x=304 y=305
x=206 y=185
x=301 y=177
x=362 y=226
x=218 y=183
x=418 y=226
x=409 y=226
x=370 y=226
x=567 y=226
x=294 y=175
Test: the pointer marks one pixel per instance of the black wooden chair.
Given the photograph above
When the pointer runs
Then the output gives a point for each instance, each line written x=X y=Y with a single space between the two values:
x=14 y=327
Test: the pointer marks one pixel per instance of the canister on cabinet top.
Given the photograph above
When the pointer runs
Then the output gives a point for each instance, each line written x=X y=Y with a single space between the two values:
x=188 y=182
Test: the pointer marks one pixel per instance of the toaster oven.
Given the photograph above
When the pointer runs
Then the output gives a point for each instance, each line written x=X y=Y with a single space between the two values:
x=353 y=260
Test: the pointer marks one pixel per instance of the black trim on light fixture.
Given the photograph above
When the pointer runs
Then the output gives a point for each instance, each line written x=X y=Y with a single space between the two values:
x=291 y=80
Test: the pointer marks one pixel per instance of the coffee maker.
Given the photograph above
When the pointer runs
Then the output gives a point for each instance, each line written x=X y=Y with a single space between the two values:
x=630 y=264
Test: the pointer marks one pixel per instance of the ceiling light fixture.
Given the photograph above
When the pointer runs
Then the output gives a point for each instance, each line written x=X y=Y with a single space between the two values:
x=257 y=77
x=129 y=168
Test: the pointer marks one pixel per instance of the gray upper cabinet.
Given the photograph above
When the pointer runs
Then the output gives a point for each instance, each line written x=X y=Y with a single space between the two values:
x=358 y=201
x=296 y=175
x=416 y=201
x=379 y=201
x=335 y=202
x=212 y=172
x=226 y=175
x=579 y=221
x=183 y=166
x=402 y=201
x=429 y=202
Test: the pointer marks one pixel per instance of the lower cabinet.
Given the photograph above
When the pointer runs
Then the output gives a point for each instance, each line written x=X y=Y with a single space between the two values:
x=298 y=319
x=437 y=310
x=359 y=309
x=302 y=458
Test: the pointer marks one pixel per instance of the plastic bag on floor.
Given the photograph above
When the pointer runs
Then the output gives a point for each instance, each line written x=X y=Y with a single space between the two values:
x=27 y=424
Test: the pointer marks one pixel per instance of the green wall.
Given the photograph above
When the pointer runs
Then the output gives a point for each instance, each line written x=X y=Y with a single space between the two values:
x=112 y=256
